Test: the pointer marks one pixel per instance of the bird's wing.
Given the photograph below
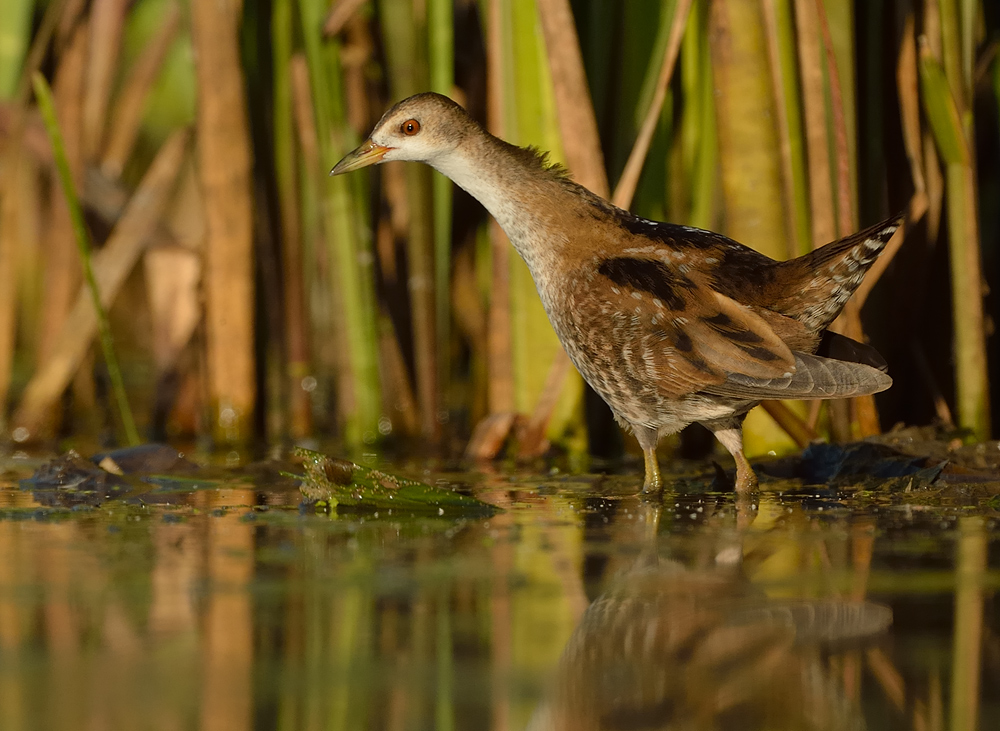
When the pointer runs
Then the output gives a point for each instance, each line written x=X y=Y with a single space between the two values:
x=840 y=347
x=669 y=328
x=814 y=378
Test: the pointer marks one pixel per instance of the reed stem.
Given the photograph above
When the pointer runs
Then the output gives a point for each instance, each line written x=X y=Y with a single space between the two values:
x=45 y=104
x=441 y=62
x=406 y=52
x=286 y=167
x=951 y=123
x=14 y=41
x=349 y=249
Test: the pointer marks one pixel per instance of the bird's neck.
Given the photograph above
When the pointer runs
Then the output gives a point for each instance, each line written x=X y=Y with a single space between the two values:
x=530 y=203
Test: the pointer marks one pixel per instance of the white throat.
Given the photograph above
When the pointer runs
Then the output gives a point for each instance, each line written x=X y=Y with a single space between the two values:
x=481 y=182
x=512 y=199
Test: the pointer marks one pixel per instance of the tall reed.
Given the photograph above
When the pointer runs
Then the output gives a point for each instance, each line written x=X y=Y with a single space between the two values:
x=224 y=166
x=15 y=37
x=287 y=170
x=530 y=117
x=407 y=36
x=441 y=65
x=947 y=89
x=44 y=96
x=343 y=208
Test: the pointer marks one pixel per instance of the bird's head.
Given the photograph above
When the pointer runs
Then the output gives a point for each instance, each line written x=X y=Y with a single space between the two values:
x=421 y=128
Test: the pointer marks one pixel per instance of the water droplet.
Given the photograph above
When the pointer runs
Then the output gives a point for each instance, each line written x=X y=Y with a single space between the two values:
x=227 y=417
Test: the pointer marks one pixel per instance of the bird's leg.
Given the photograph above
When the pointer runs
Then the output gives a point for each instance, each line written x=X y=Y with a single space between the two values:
x=647 y=440
x=746 y=479
x=653 y=481
x=730 y=433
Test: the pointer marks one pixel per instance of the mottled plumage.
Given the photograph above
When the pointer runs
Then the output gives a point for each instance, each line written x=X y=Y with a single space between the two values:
x=669 y=324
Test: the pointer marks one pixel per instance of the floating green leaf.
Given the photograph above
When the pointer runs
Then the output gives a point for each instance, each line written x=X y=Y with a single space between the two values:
x=340 y=482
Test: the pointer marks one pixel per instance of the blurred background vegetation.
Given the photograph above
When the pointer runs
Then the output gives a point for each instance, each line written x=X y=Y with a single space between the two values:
x=252 y=296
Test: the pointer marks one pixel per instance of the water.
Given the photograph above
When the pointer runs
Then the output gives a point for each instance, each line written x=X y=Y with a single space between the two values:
x=215 y=602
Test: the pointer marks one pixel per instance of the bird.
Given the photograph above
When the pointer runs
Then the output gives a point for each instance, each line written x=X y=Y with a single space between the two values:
x=669 y=324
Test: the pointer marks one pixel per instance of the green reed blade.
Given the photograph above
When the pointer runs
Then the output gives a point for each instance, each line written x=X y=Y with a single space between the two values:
x=43 y=94
x=286 y=169
x=531 y=119
x=406 y=54
x=441 y=62
x=840 y=20
x=700 y=144
x=343 y=211
x=942 y=111
x=945 y=95
x=15 y=36
x=791 y=100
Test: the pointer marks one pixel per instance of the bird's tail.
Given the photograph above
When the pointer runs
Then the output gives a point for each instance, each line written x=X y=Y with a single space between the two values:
x=818 y=285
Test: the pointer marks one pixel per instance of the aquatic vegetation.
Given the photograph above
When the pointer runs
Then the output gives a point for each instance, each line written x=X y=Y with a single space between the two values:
x=339 y=482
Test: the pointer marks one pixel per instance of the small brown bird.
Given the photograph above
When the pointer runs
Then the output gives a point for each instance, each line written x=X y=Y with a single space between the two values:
x=669 y=324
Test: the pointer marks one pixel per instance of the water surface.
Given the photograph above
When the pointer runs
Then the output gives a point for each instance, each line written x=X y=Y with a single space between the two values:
x=216 y=601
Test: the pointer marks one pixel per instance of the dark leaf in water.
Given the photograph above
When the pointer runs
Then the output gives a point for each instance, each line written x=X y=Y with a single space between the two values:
x=73 y=480
x=343 y=483
x=129 y=473
x=865 y=462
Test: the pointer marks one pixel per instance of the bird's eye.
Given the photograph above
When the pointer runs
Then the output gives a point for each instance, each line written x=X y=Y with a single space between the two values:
x=410 y=127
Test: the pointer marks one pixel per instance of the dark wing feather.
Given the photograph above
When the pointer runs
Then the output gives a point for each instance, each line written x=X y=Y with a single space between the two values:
x=839 y=347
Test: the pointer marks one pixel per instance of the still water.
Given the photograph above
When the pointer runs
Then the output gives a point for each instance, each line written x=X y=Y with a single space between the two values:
x=214 y=601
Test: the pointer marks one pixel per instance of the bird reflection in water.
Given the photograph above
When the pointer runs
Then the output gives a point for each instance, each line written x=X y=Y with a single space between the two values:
x=692 y=644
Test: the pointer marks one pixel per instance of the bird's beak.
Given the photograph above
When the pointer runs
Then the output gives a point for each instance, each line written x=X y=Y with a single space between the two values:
x=367 y=154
